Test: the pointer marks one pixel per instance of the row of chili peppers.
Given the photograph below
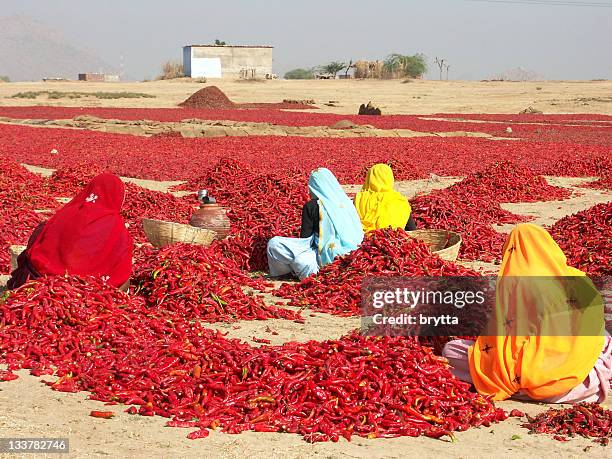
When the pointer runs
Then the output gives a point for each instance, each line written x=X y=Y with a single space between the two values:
x=169 y=158
x=97 y=339
x=549 y=128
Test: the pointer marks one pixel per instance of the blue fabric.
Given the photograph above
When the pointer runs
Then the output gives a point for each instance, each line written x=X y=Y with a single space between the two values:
x=291 y=255
x=340 y=229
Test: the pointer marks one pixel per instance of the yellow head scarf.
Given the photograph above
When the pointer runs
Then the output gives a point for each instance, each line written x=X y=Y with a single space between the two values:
x=537 y=365
x=378 y=205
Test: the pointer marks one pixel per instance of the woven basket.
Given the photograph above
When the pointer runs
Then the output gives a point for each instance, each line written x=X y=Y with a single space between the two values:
x=14 y=252
x=161 y=233
x=443 y=243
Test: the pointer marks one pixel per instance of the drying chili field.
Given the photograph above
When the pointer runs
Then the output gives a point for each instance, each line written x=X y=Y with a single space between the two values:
x=205 y=356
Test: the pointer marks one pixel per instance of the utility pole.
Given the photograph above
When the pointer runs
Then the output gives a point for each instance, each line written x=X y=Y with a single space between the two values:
x=440 y=63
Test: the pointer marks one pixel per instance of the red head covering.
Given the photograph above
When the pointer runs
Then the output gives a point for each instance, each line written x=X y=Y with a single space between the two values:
x=87 y=236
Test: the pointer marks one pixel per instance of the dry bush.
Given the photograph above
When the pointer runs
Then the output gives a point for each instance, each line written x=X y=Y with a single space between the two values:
x=171 y=70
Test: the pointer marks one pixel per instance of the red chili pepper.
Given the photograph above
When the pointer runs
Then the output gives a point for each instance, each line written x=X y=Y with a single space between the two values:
x=102 y=414
x=198 y=434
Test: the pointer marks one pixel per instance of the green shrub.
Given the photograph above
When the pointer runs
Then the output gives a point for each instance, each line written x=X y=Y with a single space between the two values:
x=299 y=74
x=78 y=95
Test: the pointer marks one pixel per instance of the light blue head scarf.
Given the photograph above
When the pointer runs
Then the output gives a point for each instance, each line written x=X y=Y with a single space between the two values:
x=340 y=229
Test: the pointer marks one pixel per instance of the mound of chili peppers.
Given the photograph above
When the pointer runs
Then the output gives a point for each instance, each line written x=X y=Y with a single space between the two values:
x=585 y=239
x=472 y=219
x=507 y=181
x=605 y=176
x=588 y=420
x=200 y=283
x=97 y=339
x=22 y=189
x=472 y=206
x=21 y=192
x=336 y=289
x=261 y=206
x=67 y=181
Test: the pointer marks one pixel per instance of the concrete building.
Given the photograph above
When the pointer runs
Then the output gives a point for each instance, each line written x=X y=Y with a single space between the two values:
x=214 y=61
x=98 y=77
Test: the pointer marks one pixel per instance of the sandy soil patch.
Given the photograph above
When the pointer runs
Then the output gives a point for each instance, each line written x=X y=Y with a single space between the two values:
x=393 y=97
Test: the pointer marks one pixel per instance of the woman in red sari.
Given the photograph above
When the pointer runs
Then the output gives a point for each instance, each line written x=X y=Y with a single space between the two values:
x=86 y=237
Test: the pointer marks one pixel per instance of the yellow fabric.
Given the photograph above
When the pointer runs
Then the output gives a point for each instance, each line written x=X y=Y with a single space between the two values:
x=538 y=366
x=378 y=204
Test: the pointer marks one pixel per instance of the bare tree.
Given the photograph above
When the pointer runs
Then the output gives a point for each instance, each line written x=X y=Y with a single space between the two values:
x=349 y=67
x=447 y=66
x=440 y=63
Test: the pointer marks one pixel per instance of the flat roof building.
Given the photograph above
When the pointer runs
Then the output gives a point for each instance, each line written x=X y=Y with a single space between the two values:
x=224 y=61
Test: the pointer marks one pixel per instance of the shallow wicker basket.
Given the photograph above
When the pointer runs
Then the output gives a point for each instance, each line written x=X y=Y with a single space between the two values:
x=161 y=233
x=14 y=252
x=444 y=243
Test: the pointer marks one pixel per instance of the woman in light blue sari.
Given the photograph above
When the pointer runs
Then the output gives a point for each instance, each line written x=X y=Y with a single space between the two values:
x=330 y=227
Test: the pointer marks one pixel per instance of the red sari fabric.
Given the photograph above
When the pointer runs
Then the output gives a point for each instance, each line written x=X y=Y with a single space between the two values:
x=87 y=236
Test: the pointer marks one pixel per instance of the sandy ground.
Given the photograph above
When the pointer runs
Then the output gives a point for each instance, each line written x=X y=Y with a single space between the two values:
x=393 y=97
x=31 y=409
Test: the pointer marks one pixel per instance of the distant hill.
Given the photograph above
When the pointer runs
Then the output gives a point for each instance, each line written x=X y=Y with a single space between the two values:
x=30 y=50
x=519 y=74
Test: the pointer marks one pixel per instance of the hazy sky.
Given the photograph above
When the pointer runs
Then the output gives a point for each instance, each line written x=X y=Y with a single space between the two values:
x=478 y=38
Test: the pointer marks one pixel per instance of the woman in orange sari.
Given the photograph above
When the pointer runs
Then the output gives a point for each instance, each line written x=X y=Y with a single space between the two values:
x=565 y=357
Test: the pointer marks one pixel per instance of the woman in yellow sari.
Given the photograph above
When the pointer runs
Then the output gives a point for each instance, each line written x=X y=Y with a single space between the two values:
x=379 y=205
x=547 y=365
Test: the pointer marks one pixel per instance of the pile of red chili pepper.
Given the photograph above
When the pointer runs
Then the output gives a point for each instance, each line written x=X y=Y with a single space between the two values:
x=200 y=283
x=472 y=219
x=507 y=181
x=585 y=239
x=22 y=189
x=68 y=181
x=21 y=193
x=605 y=176
x=261 y=205
x=588 y=420
x=98 y=339
x=472 y=206
x=336 y=289
x=15 y=229
x=208 y=97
